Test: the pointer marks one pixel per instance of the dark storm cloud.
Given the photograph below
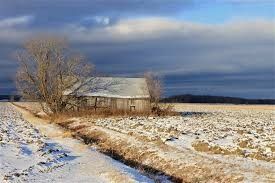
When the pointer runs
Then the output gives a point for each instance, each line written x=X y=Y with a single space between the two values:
x=7 y=76
x=234 y=58
x=247 y=85
x=183 y=48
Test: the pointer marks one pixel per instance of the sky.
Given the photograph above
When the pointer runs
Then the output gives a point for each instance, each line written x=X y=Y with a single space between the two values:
x=202 y=47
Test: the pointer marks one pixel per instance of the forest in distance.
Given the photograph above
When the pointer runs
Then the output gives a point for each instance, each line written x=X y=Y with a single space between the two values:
x=188 y=98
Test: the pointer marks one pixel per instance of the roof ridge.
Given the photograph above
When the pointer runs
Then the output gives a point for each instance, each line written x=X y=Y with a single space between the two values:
x=116 y=77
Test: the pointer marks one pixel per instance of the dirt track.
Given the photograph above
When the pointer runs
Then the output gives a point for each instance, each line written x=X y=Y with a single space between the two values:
x=39 y=152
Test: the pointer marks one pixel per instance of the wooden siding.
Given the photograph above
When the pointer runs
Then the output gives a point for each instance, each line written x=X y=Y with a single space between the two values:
x=119 y=103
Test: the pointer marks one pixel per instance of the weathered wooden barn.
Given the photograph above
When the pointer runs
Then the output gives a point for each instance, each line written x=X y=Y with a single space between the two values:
x=116 y=93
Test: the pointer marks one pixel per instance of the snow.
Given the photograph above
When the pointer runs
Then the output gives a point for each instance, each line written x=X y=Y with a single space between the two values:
x=227 y=129
x=227 y=141
x=183 y=141
x=171 y=139
x=220 y=127
x=38 y=152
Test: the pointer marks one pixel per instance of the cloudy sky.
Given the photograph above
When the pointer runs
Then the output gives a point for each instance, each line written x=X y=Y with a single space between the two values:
x=217 y=47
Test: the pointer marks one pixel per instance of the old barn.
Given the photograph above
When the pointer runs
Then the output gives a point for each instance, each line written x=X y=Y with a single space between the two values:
x=116 y=93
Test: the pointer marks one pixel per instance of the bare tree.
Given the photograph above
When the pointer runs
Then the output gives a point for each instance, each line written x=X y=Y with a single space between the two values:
x=155 y=88
x=47 y=67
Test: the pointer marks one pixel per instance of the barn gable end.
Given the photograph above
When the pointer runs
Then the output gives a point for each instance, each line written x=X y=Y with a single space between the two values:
x=128 y=94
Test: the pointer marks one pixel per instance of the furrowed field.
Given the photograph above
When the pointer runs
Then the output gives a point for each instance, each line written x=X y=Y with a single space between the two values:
x=205 y=143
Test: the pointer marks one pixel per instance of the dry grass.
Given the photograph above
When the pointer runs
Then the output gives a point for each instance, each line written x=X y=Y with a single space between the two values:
x=35 y=108
x=136 y=156
x=205 y=147
x=245 y=144
x=165 y=110
x=272 y=148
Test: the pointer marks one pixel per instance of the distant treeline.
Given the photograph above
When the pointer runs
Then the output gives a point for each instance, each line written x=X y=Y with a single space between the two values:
x=10 y=97
x=214 y=99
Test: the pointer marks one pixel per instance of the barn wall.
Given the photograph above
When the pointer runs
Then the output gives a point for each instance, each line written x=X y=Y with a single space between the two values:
x=126 y=104
x=119 y=103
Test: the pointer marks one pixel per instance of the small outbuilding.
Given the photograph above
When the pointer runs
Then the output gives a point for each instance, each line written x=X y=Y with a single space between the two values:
x=115 y=93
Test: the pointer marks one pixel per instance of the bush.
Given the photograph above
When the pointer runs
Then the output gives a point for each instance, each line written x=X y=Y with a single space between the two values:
x=164 y=110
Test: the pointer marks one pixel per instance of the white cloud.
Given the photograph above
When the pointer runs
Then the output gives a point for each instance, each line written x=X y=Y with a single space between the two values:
x=102 y=20
x=130 y=29
x=247 y=1
x=159 y=28
x=15 y=21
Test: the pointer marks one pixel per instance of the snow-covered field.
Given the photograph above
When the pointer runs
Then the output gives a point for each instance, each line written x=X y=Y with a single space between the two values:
x=207 y=143
x=224 y=129
x=27 y=155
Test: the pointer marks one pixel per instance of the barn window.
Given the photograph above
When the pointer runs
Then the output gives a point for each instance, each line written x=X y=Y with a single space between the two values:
x=132 y=108
x=132 y=105
x=102 y=102
x=82 y=101
x=91 y=101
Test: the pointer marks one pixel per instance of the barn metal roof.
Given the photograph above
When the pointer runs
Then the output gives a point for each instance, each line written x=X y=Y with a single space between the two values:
x=116 y=87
